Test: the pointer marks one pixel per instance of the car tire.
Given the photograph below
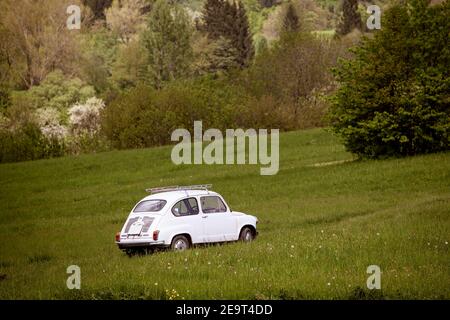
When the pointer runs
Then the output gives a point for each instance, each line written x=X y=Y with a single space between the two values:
x=247 y=235
x=180 y=243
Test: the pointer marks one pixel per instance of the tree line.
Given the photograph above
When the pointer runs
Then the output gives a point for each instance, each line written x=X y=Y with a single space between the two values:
x=138 y=69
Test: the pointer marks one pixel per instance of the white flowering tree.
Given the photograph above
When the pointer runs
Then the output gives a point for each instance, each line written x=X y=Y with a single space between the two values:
x=48 y=120
x=85 y=118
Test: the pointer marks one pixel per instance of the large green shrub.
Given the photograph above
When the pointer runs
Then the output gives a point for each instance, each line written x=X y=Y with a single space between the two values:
x=27 y=143
x=5 y=98
x=56 y=91
x=144 y=117
x=394 y=95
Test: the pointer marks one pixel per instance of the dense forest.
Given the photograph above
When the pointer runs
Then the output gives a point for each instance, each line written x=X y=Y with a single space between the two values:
x=136 y=70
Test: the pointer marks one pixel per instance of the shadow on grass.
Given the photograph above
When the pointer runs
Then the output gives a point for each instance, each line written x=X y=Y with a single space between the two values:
x=365 y=294
x=40 y=258
x=122 y=293
x=139 y=252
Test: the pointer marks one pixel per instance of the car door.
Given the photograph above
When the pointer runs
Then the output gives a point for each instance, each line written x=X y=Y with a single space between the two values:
x=219 y=224
x=187 y=219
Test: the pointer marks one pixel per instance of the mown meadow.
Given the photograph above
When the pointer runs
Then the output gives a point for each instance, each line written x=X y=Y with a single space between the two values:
x=324 y=218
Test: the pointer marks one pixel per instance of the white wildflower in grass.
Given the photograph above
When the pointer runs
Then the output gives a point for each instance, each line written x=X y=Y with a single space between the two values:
x=172 y=294
x=85 y=117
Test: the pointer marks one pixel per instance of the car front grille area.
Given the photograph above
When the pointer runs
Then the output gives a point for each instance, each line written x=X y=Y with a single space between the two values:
x=142 y=224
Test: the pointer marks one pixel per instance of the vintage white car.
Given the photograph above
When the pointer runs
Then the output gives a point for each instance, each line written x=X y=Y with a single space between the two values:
x=182 y=216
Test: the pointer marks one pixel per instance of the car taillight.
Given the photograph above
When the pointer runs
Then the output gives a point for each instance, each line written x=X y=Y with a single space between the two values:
x=155 y=235
x=118 y=236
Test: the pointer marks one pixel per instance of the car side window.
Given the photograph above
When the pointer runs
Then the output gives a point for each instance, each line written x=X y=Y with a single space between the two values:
x=185 y=207
x=212 y=204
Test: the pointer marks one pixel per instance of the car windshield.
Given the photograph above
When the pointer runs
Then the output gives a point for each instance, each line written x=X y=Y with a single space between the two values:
x=150 y=206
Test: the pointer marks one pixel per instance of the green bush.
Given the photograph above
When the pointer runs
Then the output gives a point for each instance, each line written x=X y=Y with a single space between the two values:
x=28 y=143
x=144 y=117
x=57 y=92
x=5 y=98
x=394 y=94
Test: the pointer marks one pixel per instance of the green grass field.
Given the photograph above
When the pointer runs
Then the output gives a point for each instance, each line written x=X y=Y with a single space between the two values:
x=320 y=226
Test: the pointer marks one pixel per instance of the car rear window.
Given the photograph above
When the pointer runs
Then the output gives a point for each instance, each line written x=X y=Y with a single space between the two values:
x=150 y=206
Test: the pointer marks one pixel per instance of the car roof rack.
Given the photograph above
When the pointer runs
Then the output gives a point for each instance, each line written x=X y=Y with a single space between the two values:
x=179 y=188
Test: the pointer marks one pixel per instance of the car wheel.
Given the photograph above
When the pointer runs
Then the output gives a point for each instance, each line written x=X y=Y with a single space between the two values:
x=246 y=235
x=180 y=243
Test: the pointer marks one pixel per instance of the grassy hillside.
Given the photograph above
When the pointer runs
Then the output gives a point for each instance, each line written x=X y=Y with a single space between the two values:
x=321 y=226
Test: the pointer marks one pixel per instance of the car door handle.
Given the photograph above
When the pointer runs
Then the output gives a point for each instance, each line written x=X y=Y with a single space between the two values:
x=204 y=217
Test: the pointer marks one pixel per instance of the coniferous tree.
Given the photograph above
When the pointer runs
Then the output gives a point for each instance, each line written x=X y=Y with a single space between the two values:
x=98 y=7
x=267 y=3
x=290 y=22
x=220 y=55
x=243 y=37
x=229 y=20
x=214 y=17
x=351 y=18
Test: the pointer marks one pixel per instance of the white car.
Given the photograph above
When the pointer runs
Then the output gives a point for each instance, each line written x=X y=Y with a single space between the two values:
x=182 y=216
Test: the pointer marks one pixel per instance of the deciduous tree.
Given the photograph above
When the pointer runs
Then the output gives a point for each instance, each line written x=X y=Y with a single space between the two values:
x=38 y=40
x=125 y=18
x=394 y=95
x=167 y=41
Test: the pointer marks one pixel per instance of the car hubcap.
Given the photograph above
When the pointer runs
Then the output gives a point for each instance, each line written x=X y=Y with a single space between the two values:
x=248 y=236
x=180 y=245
